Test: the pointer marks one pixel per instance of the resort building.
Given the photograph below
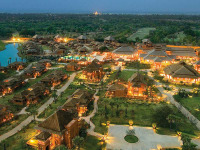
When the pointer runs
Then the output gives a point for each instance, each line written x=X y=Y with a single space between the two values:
x=5 y=114
x=59 y=128
x=32 y=95
x=183 y=52
x=137 y=86
x=157 y=57
x=145 y=46
x=82 y=39
x=126 y=52
x=197 y=66
x=17 y=65
x=109 y=39
x=36 y=70
x=79 y=102
x=55 y=78
x=45 y=62
x=117 y=90
x=10 y=84
x=83 y=62
x=72 y=66
x=181 y=73
x=93 y=72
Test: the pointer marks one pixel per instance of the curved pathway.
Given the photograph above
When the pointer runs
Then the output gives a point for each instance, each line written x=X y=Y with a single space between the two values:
x=182 y=109
x=40 y=110
x=87 y=118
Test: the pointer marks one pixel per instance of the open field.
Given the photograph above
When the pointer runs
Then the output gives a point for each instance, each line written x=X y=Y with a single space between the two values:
x=141 y=33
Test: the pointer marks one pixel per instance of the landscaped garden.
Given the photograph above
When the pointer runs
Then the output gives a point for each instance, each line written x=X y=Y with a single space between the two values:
x=190 y=100
x=143 y=113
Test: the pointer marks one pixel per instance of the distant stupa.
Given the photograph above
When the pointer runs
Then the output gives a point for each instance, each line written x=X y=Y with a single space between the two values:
x=97 y=13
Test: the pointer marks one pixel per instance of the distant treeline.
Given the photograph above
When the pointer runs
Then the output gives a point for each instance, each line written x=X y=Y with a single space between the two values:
x=120 y=26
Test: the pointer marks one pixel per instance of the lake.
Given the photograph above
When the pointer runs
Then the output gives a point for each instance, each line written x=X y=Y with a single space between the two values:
x=10 y=52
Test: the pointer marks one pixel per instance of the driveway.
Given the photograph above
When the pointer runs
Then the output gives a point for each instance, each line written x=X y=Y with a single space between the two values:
x=148 y=140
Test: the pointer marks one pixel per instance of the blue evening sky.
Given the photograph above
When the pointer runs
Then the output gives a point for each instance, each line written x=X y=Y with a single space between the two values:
x=106 y=6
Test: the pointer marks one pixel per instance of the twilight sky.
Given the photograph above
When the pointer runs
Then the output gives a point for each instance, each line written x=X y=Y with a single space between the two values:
x=108 y=6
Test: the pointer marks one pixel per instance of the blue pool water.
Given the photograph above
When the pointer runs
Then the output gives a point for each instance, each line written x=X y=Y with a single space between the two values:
x=10 y=52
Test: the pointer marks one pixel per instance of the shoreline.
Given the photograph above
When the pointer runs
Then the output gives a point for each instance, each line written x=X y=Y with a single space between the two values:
x=2 y=45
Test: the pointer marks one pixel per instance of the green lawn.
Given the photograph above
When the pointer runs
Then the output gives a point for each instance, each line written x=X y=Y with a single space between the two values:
x=192 y=104
x=18 y=141
x=131 y=139
x=92 y=143
x=135 y=65
x=141 y=33
x=178 y=37
x=2 y=46
x=125 y=75
x=12 y=124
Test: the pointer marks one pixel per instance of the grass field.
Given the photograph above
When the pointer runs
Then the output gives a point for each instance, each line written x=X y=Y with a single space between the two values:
x=18 y=141
x=2 y=46
x=178 y=37
x=192 y=104
x=92 y=143
x=141 y=33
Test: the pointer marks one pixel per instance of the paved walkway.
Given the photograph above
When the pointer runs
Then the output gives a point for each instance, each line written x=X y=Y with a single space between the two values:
x=148 y=139
x=40 y=110
x=87 y=118
x=182 y=109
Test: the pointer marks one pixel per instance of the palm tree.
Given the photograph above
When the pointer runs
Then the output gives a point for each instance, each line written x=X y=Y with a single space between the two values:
x=34 y=112
x=77 y=141
x=54 y=95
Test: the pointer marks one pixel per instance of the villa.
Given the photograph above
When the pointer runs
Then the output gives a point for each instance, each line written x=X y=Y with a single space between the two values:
x=157 y=57
x=78 y=101
x=93 y=72
x=137 y=86
x=126 y=52
x=55 y=78
x=72 y=66
x=117 y=90
x=59 y=128
x=17 y=65
x=181 y=72
x=46 y=62
x=36 y=70
x=82 y=39
x=109 y=39
x=10 y=84
x=5 y=114
x=32 y=95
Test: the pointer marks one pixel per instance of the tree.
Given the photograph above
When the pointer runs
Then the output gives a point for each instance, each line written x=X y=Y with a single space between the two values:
x=130 y=132
x=34 y=112
x=187 y=145
x=61 y=147
x=77 y=141
x=54 y=95
x=160 y=115
x=83 y=132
